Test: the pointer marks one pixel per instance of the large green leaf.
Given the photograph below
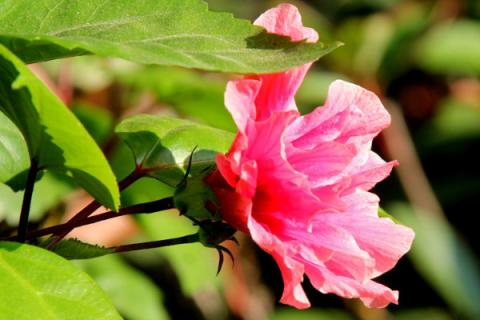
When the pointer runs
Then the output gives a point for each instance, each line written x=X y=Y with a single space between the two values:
x=167 y=32
x=163 y=145
x=56 y=139
x=37 y=284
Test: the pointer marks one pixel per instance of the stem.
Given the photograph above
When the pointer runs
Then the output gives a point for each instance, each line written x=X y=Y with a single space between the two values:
x=143 y=208
x=90 y=208
x=157 y=244
x=27 y=200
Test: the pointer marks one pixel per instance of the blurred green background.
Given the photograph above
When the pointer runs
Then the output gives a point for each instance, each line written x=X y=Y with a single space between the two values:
x=421 y=57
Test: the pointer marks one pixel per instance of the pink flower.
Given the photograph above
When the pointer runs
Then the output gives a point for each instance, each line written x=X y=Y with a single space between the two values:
x=299 y=184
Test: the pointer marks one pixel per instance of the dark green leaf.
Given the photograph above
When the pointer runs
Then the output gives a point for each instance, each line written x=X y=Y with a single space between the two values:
x=167 y=32
x=55 y=138
x=73 y=249
x=163 y=145
x=37 y=284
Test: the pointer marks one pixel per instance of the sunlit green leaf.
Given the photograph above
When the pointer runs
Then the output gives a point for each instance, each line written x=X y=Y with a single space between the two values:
x=38 y=284
x=56 y=139
x=167 y=32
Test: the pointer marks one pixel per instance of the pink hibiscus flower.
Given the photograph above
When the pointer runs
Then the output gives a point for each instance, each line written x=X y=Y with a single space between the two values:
x=298 y=185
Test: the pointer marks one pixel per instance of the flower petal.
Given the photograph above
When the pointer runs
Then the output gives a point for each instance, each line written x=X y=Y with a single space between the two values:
x=285 y=20
x=373 y=294
x=292 y=271
x=240 y=101
x=351 y=114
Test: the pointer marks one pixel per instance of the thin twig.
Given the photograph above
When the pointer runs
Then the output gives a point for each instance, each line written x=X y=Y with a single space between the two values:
x=90 y=208
x=157 y=244
x=142 y=208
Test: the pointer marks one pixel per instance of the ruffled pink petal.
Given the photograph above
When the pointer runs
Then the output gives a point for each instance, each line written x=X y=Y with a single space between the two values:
x=374 y=170
x=385 y=241
x=292 y=271
x=336 y=248
x=265 y=140
x=351 y=114
x=372 y=294
x=240 y=101
x=278 y=89
x=323 y=163
x=285 y=20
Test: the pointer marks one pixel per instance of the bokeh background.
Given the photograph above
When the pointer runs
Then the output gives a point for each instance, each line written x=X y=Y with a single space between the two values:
x=421 y=57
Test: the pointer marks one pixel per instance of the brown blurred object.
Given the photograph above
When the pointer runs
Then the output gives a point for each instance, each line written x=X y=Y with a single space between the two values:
x=63 y=89
x=466 y=90
x=107 y=233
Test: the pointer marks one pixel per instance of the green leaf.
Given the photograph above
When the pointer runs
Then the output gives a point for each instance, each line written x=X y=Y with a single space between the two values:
x=37 y=284
x=444 y=260
x=74 y=249
x=182 y=33
x=135 y=295
x=163 y=145
x=55 y=138
x=13 y=150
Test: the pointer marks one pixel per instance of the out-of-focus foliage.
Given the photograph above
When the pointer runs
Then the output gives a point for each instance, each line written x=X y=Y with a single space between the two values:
x=444 y=260
x=133 y=294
